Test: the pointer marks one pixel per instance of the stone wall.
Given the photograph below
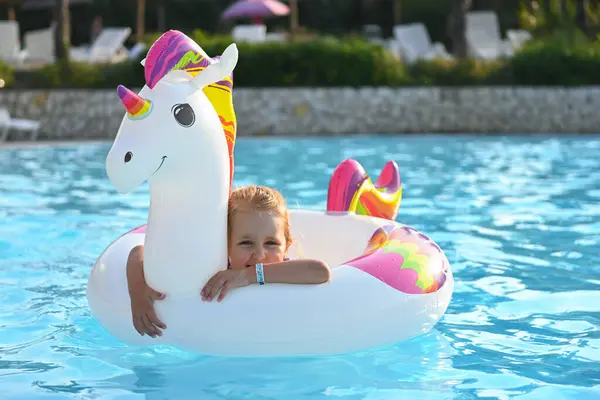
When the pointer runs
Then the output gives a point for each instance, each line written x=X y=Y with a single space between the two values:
x=84 y=114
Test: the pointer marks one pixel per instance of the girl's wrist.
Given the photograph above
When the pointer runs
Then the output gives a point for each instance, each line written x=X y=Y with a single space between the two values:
x=255 y=274
x=250 y=274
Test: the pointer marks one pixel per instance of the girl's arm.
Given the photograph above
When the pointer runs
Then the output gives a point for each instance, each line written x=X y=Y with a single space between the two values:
x=304 y=271
x=135 y=270
x=142 y=296
x=294 y=271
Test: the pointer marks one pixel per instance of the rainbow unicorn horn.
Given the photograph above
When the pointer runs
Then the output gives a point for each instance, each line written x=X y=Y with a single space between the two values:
x=136 y=106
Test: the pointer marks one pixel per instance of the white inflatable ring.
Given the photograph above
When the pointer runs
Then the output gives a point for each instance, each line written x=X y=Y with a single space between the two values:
x=370 y=301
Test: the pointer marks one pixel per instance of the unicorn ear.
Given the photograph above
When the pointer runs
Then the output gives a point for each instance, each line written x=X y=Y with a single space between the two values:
x=178 y=75
x=218 y=70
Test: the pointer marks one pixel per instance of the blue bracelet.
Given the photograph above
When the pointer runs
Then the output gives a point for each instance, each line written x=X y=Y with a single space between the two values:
x=260 y=275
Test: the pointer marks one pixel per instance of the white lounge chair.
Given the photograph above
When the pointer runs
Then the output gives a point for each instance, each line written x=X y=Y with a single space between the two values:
x=137 y=50
x=483 y=36
x=39 y=45
x=276 y=37
x=413 y=42
x=10 y=43
x=109 y=47
x=372 y=33
x=518 y=37
x=256 y=33
x=7 y=124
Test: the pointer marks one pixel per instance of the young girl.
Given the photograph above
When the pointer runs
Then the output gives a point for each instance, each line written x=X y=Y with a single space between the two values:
x=259 y=238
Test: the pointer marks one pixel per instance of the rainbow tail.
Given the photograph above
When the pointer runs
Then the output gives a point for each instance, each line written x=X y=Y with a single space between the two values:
x=351 y=190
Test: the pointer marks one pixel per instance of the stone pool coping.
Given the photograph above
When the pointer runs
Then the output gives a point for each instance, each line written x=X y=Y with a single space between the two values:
x=96 y=114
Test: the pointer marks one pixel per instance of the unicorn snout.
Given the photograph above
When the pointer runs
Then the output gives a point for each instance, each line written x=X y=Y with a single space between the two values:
x=123 y=171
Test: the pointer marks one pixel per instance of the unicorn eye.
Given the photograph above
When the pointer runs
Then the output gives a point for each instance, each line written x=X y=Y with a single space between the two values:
x=184 y=114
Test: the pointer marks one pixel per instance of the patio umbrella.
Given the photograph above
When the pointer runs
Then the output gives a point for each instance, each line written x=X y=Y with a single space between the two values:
x=255 y=9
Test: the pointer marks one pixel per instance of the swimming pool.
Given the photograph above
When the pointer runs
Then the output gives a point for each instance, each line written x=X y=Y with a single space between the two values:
x=519 y=218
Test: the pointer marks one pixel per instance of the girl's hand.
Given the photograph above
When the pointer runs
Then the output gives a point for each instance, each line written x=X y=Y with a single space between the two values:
x=145 y=319
x=223 y=281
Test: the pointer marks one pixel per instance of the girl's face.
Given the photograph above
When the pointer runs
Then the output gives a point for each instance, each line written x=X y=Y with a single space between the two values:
x=256 y=237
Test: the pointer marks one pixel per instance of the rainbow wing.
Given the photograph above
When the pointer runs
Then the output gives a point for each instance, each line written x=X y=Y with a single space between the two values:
x=351 y=190
x=405 y=259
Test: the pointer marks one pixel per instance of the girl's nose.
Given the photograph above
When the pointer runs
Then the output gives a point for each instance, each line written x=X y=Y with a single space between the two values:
x=259 y=254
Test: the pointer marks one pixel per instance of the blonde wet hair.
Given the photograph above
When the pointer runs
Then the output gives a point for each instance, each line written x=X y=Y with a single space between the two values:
x=259 y=198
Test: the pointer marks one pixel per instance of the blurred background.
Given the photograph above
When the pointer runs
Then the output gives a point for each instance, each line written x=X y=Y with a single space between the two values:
x=416 y=42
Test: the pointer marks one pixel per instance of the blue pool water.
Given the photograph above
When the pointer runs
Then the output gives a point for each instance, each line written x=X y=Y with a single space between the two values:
x=518 y=217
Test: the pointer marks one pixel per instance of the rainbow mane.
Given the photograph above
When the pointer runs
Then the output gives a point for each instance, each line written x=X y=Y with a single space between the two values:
x=175 y=51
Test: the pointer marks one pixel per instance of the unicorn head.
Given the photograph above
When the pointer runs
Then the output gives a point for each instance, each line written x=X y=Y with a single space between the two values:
x=171 y=125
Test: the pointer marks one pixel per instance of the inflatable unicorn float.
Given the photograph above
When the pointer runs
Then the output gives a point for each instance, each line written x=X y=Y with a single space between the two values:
x=389 y=281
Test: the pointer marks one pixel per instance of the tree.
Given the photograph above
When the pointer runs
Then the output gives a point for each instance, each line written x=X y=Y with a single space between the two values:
x=564 y=13
x=529 y=5
x=62 y=30
x=160 y=16
x=141 y=16
x=293 y=18
x=397 y=12
x=457 y=27
x=547 y=5
x=11 y=8
x=581 y=15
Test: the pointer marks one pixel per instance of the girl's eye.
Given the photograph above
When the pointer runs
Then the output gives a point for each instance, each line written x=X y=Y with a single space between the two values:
x=245 y=243
x=272 y=243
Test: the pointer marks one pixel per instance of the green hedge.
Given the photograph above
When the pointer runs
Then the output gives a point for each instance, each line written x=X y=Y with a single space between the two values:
x=7 y=74
x=557 y=63
x=333 y=63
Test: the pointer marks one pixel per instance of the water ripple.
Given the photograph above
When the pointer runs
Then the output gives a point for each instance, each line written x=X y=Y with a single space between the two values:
x=518 y=218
